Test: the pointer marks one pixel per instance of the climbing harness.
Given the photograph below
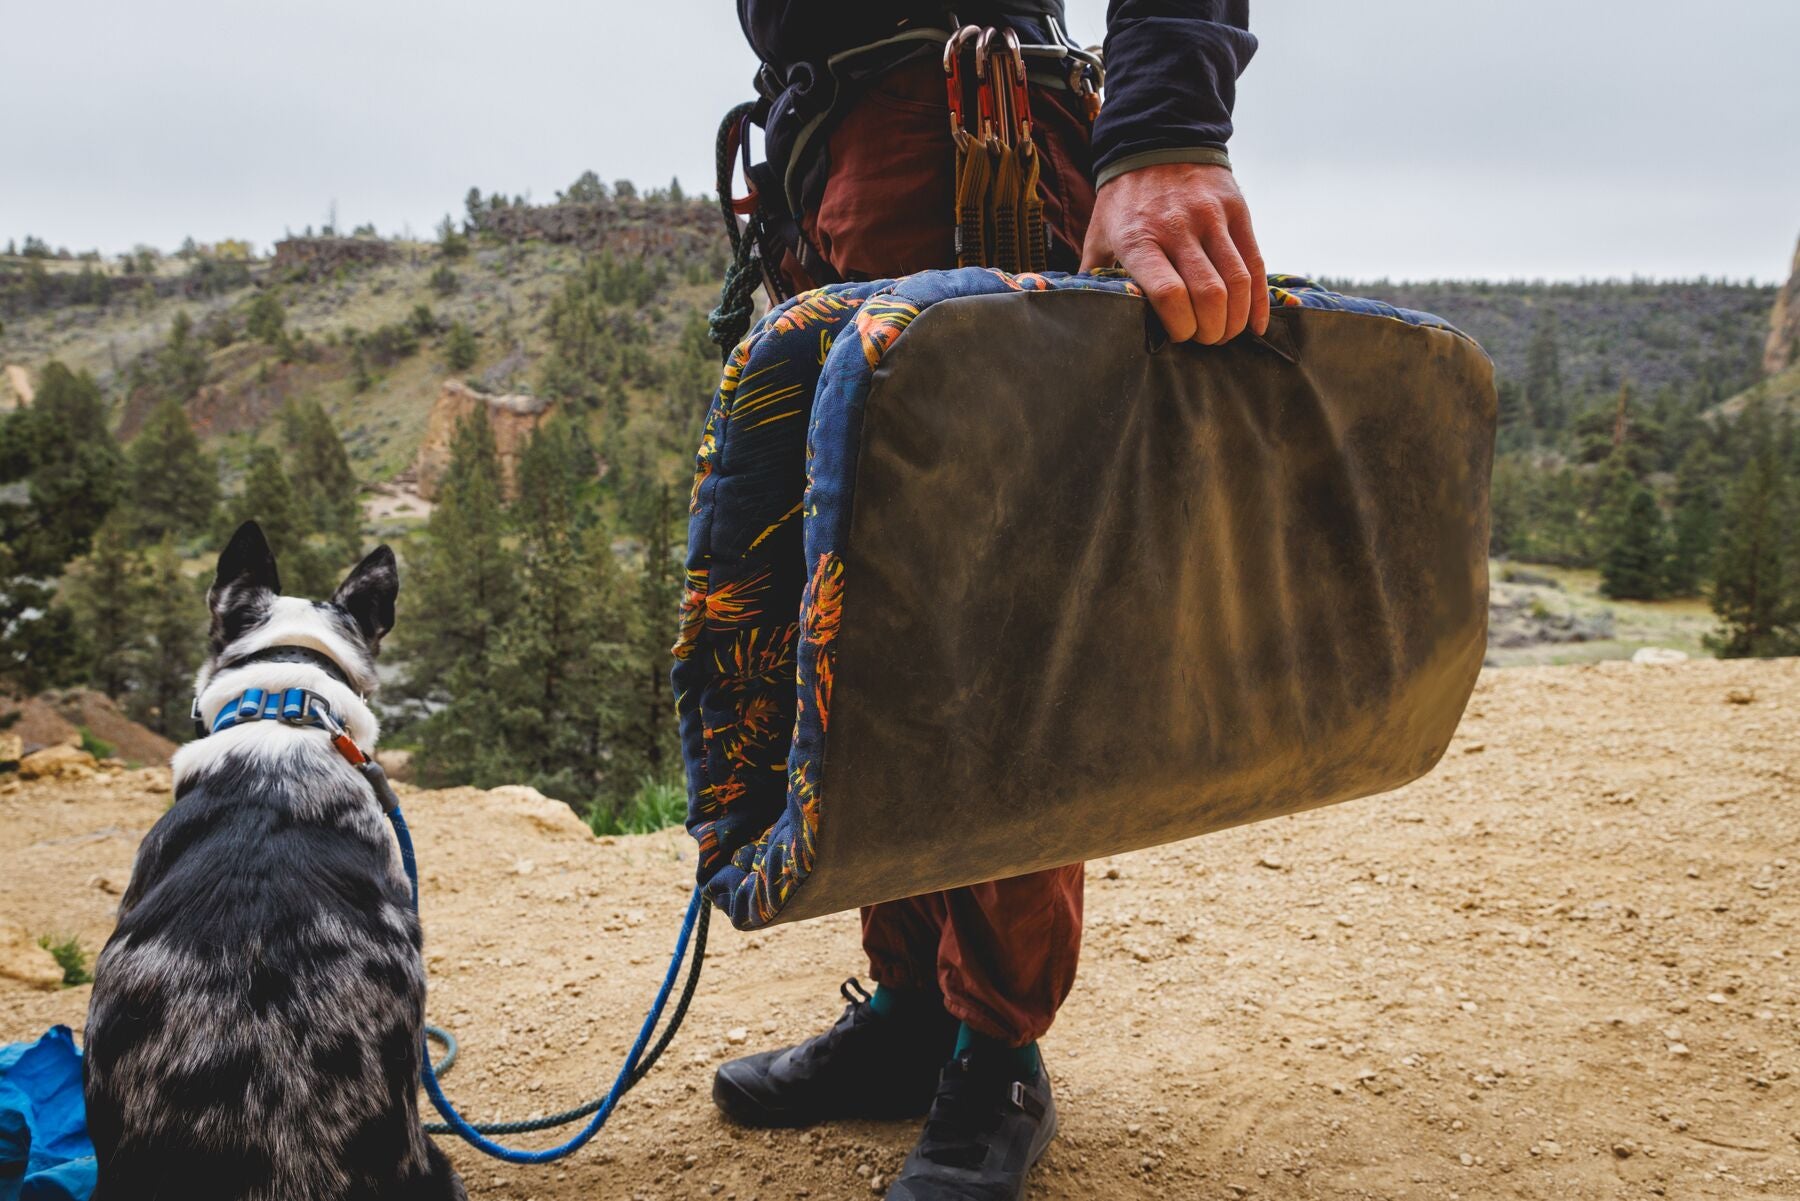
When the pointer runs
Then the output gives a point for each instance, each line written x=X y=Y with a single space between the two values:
x=303 y=708
x=764 y=226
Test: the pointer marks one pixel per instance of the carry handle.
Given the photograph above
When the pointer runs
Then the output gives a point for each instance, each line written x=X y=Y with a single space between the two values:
x=1276 y=341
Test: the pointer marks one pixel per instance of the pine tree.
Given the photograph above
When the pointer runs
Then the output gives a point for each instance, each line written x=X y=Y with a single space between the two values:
x=268 y=498
x=1632 y=568
x=1543 y=375
x=1756 y=574
x=652 y=750
x=62 y=451
x=171 y=639
x=1696 y=524
x=562 y=657
x=1516 y=423
x=172 y=485
x=322 y=475
x=461 y=582
x=61 y=447
x=103 y=590
x=181 y=363
x=267 y=321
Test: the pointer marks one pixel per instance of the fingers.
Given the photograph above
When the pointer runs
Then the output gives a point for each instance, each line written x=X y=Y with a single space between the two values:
x=1210 y=292
x=1183 y=232
x=1164 y=287
x=1095 y=252
x=1245 y=239
x=1233 y=279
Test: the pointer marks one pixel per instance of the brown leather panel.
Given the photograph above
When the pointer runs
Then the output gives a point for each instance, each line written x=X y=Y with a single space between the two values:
x=1099 y=597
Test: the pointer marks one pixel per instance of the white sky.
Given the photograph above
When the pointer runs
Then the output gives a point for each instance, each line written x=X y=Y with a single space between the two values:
x=1409 y=138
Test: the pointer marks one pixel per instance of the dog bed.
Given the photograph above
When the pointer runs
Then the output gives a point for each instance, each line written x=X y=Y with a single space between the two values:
x=984 y=576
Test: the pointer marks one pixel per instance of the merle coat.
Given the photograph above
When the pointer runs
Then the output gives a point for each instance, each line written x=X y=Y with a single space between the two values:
x=256 y=1021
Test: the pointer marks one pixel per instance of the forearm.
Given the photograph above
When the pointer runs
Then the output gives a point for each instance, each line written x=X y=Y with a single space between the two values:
x=1171 y=81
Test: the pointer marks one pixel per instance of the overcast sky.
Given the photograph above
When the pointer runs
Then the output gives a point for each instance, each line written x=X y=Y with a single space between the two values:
x=1411 y=138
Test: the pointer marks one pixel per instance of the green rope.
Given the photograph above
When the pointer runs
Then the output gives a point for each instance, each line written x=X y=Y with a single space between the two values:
x=727 y=324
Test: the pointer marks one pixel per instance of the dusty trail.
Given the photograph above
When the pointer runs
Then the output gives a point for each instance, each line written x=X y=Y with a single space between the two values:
x=1563 y=966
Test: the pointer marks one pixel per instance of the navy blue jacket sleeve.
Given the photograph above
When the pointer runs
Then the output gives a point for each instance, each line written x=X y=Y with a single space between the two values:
x=1171 y=80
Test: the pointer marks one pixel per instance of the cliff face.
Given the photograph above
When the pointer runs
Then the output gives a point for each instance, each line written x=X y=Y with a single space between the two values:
x=512 y=418
x=1783 y=348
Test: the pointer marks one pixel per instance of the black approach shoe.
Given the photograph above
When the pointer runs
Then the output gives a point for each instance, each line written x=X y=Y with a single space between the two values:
x=985 y=1134
x=866 y=1066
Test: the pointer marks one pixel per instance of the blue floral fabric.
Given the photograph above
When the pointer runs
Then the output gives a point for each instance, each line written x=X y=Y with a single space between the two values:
x=766 y=569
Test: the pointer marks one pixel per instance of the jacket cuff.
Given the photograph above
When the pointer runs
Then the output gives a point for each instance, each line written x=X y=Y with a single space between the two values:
x=1211 y=156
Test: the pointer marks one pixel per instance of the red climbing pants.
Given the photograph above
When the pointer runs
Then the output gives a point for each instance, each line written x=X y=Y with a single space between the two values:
x=1003 y=954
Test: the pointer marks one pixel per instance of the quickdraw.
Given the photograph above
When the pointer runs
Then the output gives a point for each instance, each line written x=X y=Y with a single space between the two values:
x=999 y=205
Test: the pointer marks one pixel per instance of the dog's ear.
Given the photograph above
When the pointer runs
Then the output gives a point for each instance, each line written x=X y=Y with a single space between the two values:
x=244 y=585
x=368 y=593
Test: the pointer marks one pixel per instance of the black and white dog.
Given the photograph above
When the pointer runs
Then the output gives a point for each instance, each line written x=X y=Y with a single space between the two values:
x=256 y=1021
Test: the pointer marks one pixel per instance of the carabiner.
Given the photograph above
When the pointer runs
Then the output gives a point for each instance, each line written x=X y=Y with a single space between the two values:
x=995 y=131
x=1018 y=95
x=953 y=82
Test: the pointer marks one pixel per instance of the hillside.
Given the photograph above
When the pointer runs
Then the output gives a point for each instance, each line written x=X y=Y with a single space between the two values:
x=1656 y=335
x=1559 y=966
x=367 y=334
x=1690 y=336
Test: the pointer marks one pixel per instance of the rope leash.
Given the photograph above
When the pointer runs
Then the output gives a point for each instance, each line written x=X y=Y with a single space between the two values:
x=564 y=1117
x=637 y=1062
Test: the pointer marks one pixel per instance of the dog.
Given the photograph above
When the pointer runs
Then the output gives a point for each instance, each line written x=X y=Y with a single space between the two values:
x=257 y=1017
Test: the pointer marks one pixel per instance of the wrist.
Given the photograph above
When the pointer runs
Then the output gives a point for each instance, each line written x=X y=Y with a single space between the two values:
x=1206 y=156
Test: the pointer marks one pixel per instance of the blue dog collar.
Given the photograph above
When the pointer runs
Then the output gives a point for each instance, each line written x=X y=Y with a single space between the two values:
x=290 y=706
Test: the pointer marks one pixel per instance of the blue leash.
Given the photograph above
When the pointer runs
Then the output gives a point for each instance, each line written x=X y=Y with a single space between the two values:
x=628 y=1074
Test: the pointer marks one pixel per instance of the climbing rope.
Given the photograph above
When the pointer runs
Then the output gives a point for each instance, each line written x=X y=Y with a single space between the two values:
x=727 y=324
x=638 y=1060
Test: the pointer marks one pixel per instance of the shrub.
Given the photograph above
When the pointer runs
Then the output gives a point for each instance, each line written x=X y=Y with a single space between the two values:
x=460 y=350
x=656 y=805
x=70 y=958
x=99 y=748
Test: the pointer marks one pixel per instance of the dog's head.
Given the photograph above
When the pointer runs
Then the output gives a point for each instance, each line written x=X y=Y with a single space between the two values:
x=250 y=616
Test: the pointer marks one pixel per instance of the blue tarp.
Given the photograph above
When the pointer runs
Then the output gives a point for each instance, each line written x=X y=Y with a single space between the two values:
x=45 y=1153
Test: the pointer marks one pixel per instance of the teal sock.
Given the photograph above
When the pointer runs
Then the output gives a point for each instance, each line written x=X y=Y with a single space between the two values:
x=1022 y=1062
x=903 y=1002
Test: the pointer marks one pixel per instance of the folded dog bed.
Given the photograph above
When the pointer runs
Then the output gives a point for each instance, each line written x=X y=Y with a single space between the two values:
x=984 y=576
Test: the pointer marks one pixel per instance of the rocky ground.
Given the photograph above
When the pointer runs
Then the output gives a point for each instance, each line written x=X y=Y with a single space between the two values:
x=1562 y=966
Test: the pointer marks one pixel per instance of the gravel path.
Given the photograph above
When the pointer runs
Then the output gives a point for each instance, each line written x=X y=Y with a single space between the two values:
x=1562 y=966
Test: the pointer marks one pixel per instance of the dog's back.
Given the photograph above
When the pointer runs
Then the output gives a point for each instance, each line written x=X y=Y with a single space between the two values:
x=255 y=1020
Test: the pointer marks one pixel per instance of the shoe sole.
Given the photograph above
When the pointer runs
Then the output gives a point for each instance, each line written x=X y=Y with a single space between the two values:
x=745 y=1110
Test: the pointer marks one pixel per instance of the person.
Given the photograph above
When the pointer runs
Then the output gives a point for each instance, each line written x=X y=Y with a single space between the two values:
x=968 y=980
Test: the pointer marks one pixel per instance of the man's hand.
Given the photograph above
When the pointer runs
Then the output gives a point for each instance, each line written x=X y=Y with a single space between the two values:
x=1183 y=231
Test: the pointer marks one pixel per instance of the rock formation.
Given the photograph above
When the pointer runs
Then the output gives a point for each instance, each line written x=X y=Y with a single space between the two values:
x=319 y=256
x=512 y=418
x=16 y=391
x=1783 y=348
x=626 y=228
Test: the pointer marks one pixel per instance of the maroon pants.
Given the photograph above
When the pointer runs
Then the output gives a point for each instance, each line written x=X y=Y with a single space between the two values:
x=1002 y=954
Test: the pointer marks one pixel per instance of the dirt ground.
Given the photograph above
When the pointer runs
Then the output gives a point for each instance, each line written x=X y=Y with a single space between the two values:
x=1562 y=966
